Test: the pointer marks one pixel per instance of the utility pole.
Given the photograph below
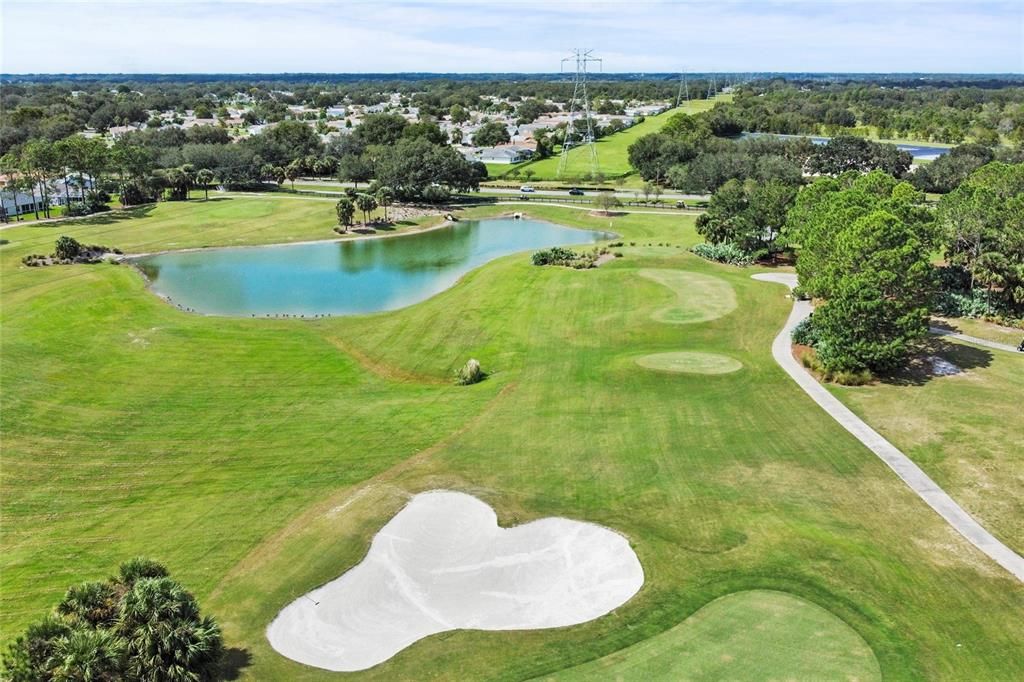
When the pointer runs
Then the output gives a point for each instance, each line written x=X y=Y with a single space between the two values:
x=580 y=104
x=684 y=89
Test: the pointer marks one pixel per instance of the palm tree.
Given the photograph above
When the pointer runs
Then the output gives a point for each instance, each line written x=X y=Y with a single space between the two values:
x=366 y=204
x=188 y=176
x=92 y=603
x=385 y=196
x=138 y=568
x=292 y=171
x=166 y=637
x=86 y=654
x=344 y=208
x=204 y=177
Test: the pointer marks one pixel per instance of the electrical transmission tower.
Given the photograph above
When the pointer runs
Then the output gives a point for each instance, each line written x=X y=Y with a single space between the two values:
x=580 y=104
x=684 y=89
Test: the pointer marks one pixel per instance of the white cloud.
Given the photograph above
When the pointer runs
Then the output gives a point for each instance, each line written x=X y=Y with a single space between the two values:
x=193 y=36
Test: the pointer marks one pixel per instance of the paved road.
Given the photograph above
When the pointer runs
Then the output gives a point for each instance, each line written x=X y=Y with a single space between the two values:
x=334 y=186
x=973 y=339
x=620 y=193
x=912 y=475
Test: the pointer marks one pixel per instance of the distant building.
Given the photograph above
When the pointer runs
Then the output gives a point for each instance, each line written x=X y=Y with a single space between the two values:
x=508 y=154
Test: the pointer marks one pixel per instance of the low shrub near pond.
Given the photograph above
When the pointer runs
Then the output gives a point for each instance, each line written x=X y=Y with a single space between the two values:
x=568 y=258
x=67 y=251
x=726 y=252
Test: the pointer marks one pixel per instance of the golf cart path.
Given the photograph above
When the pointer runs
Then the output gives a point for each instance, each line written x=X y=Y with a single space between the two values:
x=912 y=475
x=973 y=339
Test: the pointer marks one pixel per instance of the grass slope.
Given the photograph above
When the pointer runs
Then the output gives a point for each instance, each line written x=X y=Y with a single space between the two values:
x=612 y=151
x=258 y=457
x=754 y=635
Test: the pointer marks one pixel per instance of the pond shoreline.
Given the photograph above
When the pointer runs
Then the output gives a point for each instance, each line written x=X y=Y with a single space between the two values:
x=137 y=262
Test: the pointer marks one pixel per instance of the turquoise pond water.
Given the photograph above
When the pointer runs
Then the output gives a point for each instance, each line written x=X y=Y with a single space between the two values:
x=348 y=277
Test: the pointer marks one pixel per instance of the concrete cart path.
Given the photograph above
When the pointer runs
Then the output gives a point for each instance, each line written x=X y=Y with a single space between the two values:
x=912 y=475
x=973 y=339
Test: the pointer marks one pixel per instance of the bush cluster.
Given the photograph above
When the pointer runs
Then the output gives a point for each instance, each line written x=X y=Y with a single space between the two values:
x=726 y=252
x=470 y=373
x=812 y=362
x=805 y=334
x=68 y=250
x=568 y=258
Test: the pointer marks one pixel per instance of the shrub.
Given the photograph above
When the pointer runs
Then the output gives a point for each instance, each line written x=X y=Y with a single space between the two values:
x=554 y=255
x=470 y=373
x=557 y=255
x=67 y=248
x=76 y=209
x=435 y=194
x=804 y=333
x=97 y=201
x=132 y=194
x=726 y=252
x=846 y=377
x=975 y=303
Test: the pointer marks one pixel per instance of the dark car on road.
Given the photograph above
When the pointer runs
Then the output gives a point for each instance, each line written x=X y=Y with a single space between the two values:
x=575 y=192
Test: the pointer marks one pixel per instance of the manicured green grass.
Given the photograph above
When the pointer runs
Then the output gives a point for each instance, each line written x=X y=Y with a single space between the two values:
x=258 y=457
x=55 y=212
x=699 y=298
x=754 y=635
x=612 y=151
x=966 y=431
x=690 y=362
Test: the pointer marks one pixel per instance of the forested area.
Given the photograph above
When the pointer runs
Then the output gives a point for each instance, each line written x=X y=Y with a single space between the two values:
x=925 y=113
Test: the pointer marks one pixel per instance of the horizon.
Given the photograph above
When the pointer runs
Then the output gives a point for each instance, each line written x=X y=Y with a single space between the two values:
x=189 y=37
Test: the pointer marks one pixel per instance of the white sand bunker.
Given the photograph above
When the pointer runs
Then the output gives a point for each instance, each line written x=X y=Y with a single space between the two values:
x=443 y=563
x=690 y=362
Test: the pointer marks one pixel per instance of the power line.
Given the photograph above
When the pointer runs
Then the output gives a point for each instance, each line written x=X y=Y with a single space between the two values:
x=582 y=57
x=684 y=89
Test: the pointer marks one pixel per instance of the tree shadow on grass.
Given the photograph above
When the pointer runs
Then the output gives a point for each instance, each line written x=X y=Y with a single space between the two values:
x=234 y=662
x=926 y=363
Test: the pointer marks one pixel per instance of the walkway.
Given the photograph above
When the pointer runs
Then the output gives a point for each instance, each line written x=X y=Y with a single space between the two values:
x=912 y=475
x=973 y=339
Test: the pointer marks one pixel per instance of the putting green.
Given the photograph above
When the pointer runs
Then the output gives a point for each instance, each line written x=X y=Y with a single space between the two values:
x=750 y=635
x=700 y=297
x=690 y=363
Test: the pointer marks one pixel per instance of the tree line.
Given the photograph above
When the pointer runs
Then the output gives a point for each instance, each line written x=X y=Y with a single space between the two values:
x=864 y=244
x=413 y=159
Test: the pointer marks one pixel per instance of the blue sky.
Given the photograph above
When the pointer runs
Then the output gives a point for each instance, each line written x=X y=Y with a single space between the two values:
x=487 y=36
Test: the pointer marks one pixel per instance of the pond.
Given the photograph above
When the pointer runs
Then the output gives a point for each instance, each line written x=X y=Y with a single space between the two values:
x=918 y=151
x=347 y=277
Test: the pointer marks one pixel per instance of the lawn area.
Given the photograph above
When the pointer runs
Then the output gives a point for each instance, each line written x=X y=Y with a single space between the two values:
x=966 y=431
x=981 y=329
x=612 y=151
x=256 y=458
x=55 y=212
